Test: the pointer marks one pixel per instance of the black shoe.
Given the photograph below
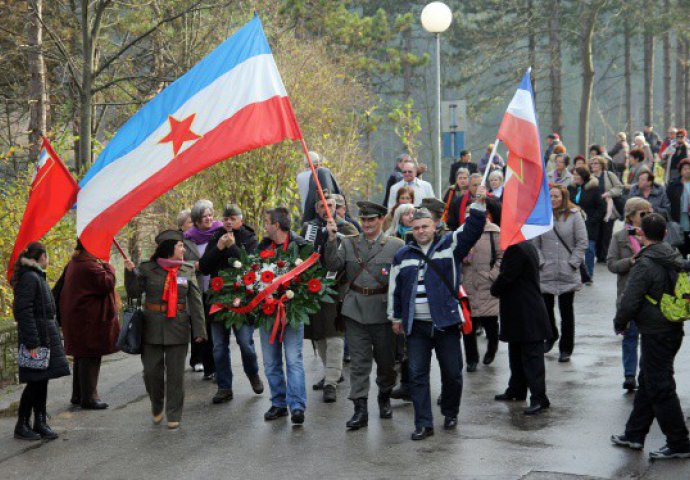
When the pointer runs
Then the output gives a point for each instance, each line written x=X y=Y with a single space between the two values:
x=75 y=401
x=623 y=441
x=209 y=377
x=471 y=367
x=489 y=358
x=449 y=423
x=564 y=357
x=630 y=384
x=257 y=384
x=297 y=417
x=318 y=385
x=536 y=408
x=361 y=416
x=509 y=397
x=401 y=392
x=439 y=400
x=274 y=413
x=94 y=405
x=422 y=433
x=41 y=427
x=347 y=358
x=222 y=396
x=667 y=452
x=23 y=431
x=548 y=345
x=329 y=394
x=385 y=410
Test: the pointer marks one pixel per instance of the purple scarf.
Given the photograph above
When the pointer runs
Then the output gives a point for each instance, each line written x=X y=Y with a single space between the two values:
x=201 y=237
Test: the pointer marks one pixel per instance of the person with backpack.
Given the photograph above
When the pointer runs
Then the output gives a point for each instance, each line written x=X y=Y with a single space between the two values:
x=647 y=300
x=561 y=253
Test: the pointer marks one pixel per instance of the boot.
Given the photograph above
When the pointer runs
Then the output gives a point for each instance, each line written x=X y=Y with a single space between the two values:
x=76 y=390
x=361 y=417
x=41 y=427
x=22 y=431
x=385 y=410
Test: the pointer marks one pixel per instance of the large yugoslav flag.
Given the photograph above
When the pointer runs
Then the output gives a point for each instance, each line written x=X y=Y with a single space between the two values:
x=232 y=101
x=526 y=203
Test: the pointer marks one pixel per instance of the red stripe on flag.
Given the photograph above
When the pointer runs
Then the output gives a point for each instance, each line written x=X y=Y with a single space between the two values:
x=256 y=125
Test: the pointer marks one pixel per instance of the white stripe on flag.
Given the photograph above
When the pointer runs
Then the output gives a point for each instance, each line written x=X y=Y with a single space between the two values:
x=255 y=80
x=521 y=106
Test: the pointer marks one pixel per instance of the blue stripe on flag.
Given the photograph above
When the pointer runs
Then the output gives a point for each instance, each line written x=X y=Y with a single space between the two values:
x=247 y=42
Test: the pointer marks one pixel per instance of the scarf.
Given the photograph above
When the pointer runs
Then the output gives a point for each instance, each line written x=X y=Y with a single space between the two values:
x=402 y=231
x=170 y=288
x=200 y=237
x=634 y=242
x=463 y=208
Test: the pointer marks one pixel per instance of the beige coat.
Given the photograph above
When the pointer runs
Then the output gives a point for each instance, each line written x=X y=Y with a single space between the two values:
x=478 y=276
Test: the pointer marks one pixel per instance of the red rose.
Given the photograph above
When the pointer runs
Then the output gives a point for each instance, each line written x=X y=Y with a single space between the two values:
x=249 y=292
x=280 y=264
x=314 y=285
x=249 y=278
x=269 y=306
x=268 y=253
x=236 y=285
x=267 y=276
x=298 y=279
x=217 y=284
x=255 y=267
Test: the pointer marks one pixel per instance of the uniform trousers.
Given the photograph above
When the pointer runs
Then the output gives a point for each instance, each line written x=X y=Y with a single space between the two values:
x=369 y=342
x=164 y=378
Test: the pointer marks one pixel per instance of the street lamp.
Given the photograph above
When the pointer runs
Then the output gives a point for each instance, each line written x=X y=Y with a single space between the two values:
x=436 y=18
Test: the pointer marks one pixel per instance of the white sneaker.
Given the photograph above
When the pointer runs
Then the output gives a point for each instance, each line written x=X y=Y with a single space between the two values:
x=198 y=367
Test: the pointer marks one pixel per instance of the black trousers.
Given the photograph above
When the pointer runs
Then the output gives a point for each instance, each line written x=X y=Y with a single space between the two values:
x=34 y=396
x=85 y=374
x=656 y=395
x=490 y=325
x=565 y=307
x=527 y=370
x=604 y=239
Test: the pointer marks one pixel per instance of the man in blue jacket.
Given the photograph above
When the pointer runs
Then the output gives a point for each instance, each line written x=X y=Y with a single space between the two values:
x=423 y=303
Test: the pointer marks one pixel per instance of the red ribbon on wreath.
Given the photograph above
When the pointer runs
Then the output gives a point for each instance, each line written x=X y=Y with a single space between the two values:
x=281 y=317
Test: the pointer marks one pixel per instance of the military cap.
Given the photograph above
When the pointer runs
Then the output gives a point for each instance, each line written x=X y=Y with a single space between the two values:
x=169 y=235
x=420 y=213
x=339 y=200
x=433 y=205
x=231 y=210
x=371 y=209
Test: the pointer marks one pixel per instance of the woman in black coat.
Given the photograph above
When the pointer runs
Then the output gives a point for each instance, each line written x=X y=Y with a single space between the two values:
x=34 y=312
x=524 y=325
x=585 y=193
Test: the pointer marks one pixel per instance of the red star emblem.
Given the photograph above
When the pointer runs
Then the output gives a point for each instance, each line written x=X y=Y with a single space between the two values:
x=180 y=132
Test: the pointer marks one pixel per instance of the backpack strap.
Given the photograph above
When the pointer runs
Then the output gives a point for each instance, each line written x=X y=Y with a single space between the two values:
x=494 y=255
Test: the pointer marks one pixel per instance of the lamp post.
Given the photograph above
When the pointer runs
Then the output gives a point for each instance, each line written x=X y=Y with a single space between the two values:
x=436 y=18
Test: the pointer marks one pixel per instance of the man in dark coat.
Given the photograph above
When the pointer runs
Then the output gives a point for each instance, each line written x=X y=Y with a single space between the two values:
x=395 y=176
x=328 y=183
x=654 y=273
x=524 y=325
x=90 y=324
x=223 y=248
x=324 y=327
x=464 y=162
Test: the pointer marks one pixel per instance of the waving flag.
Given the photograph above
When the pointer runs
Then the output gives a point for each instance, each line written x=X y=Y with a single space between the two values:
x=53 y=192
x=231 y=102
x=526 y=204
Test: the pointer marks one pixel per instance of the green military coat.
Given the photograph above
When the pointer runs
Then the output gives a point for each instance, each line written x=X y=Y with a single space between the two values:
x=149 y=279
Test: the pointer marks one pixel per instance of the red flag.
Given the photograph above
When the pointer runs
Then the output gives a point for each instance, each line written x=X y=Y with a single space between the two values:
x=53 y=193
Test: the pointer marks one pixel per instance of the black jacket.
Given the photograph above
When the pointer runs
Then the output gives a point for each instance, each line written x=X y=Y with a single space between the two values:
x=592 y=204
x=523 y=313
x=655 y=272
x=34 y=311
x=394 y=178
x=328 y=183
x=214 y=260
x=674 y=192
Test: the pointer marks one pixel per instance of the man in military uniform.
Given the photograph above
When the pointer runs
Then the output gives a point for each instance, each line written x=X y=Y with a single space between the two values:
x=324 y=329
x=366 y=261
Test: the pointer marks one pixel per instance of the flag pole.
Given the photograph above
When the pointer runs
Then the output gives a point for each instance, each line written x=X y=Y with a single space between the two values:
x=119 y=249
x=315 y=176
x=487 y=169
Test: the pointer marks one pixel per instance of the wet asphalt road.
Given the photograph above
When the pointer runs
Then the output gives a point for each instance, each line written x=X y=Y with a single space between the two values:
x=493 y=441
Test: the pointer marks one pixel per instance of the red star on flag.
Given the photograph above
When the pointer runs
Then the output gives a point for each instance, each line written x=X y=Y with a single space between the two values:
x=180 y=132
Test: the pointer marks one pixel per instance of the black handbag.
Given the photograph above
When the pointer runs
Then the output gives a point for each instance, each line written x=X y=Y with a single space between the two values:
x=584 y=273
x=129 y=340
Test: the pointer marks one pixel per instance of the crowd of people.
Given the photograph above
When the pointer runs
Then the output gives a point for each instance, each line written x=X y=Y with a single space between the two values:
x=417 y=272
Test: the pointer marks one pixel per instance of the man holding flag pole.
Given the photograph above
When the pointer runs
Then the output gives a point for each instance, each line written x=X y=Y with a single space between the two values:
x=526 y=214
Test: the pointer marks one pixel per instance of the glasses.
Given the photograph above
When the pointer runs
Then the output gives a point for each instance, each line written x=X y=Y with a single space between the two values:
x=643 y=214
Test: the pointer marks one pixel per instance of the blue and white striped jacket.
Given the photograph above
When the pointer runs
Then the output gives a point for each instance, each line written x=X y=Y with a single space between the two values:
x=447 y=253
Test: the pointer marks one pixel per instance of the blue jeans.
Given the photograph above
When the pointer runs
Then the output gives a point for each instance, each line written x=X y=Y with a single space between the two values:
x=244 y=336
x=590 y=256
x=630 y=341
x=446 y=343
x=294 y=395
